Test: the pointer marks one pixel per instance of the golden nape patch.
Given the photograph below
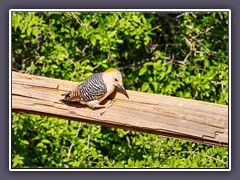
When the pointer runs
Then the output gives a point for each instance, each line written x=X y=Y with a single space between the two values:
x=110 y=70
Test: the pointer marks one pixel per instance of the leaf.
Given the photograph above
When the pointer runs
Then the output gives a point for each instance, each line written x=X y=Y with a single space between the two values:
x=17 y=160
x=54 y=66
x=72 y=32
x=157 y=65
x=155 y=86
x=97 y=36
x=40 y=145
x=160 y=54
x=169 y=68
x=88 y=74
x=144 y=20
x=177 y=148
x=145 y=87
x=187 y=94
x=111 y=34
x=130 y=162
x=119 y=41
x=105 y=66
x=136 y=18
x=142 y=71
x=161 y=75
x=46 y=141
x=93 y=39
x=29 y=31
x=25 y=142
x=146 y=40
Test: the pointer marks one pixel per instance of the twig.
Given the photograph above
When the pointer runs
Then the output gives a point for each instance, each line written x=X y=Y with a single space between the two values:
x=108 y=59
x=79 y=21
x=179 y=62
x=128 y=139
x=85 y=47
x=200 y=44
x=184 y=152
x=222 y=86
x=188 y=42
x=88 y=139
x=159 y=150
x=79 y=62
x=210 y=157
x=156 y=27
x=180 y=15
x=194 y=15
x=129 y=142
x=78 y=130
x=29 y=68
x=186 y=58
x=84 y=58
x=23 y=61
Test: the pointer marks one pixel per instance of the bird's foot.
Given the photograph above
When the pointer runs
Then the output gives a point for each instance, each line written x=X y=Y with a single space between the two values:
x=106 y=107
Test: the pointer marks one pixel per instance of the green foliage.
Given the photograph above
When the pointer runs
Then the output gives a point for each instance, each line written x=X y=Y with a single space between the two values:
x=177 y=54
x=46 y=142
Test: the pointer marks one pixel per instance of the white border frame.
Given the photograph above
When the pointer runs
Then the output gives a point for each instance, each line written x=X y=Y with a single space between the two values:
x=118 y=10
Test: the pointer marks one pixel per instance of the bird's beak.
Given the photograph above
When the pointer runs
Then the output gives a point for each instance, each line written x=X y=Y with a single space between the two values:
x=123 y=89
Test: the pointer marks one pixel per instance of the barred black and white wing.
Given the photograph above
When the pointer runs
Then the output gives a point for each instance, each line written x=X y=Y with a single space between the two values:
x=90 y=89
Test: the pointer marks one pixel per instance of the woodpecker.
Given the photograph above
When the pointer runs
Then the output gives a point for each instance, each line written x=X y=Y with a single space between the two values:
x=93 y=90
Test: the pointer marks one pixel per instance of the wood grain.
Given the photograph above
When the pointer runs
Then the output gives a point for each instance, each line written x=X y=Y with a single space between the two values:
x=173 y=117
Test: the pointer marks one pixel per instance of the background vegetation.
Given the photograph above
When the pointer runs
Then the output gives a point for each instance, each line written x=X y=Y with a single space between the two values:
x=183 y=54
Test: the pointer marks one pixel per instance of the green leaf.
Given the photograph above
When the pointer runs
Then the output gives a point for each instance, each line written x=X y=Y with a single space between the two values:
x=157 y=65
x=160 y=54
x=136 y=18
x=169 y=68
x=142 y=71
x=177 y=148
x=25 y=142
x=111 y=34
x=161 y=75
x=46 y=141
x=88 y=75
x=145 y=87
x=119 y=41
x=93 y=39
x=72 y=31
x=17 y=160
x=146 y=40
x=97 y=36
x=29 y=31
x=54 y=66
x=155 y=86
x=40 y=145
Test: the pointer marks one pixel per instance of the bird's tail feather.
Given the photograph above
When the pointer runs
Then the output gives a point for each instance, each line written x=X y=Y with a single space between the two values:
x=66 y=97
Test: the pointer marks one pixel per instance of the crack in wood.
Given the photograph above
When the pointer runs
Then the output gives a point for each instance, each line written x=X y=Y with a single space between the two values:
x=213 y=137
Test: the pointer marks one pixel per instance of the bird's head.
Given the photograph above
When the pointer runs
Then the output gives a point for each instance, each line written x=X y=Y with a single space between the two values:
x=116 y=79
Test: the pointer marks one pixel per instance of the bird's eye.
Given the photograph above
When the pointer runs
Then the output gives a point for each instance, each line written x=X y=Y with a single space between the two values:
x=116 y=79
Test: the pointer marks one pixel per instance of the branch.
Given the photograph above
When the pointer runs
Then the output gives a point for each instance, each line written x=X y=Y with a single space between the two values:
x=78 y=130
x=167 y=116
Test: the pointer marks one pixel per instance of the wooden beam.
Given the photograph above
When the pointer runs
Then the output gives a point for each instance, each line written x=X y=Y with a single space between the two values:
x=167 y=116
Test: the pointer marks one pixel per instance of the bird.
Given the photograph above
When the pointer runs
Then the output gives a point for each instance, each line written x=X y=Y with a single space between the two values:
x=93 y=90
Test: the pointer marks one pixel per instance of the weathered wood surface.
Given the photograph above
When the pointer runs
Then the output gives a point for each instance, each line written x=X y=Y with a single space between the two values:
x=163 y=115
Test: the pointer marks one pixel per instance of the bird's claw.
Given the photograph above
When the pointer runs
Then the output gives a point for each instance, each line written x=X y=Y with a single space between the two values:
x=105 y=110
